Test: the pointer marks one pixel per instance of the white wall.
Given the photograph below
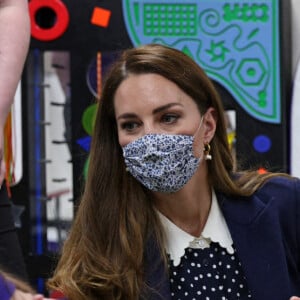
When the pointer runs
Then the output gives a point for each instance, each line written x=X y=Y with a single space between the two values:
x=295 y=111
x=295 y=26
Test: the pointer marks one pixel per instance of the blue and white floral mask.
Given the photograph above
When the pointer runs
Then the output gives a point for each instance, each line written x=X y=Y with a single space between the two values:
x=162 y=162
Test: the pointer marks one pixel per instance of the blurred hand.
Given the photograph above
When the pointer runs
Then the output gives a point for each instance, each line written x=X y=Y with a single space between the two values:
x=18 y=295
x=41 y=297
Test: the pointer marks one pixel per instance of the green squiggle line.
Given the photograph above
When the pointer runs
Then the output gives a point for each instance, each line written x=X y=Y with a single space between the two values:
x=132 y=29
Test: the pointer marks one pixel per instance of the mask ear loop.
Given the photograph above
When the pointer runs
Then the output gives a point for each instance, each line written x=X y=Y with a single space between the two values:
x=195 y=146
x=201 y=121
x=207 y=148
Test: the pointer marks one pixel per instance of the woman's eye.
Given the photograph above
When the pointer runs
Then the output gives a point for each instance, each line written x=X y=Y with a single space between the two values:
x=169 y=118
x=129 y=126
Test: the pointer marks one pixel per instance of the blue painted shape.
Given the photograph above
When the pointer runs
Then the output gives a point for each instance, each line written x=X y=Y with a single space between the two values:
x=262 y=143
x=85 y=143
x=38 y=236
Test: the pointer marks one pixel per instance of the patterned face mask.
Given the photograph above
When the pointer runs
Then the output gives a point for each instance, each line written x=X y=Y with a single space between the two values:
x=162 y=162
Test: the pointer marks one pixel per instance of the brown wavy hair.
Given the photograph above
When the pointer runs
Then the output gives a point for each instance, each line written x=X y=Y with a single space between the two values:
x=103 y=257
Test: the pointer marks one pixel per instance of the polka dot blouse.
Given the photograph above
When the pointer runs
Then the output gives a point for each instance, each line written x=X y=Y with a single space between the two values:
x=211 y=273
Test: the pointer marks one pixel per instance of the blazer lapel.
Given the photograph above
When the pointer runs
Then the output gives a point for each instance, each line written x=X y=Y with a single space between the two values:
x=256 y=236
x=157 y=278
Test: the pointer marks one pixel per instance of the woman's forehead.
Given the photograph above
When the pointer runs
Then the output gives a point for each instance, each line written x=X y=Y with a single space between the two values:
x=149 y=91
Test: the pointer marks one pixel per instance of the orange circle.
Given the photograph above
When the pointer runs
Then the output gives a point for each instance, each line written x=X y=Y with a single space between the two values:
x=60 y=26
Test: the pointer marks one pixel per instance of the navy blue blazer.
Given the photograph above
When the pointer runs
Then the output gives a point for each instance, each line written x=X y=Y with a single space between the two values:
x=265 y=229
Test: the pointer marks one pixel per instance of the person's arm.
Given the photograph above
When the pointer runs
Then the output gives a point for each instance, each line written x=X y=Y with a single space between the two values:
x=7 y=289
x=19 y=295
x=13 y=289
x=14 y=44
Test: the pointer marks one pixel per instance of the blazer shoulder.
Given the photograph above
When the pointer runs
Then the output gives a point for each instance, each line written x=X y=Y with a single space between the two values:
x=281 y=192
x=281 y=185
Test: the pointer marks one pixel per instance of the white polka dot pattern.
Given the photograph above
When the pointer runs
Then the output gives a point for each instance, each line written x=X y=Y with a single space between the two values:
x=210 y=274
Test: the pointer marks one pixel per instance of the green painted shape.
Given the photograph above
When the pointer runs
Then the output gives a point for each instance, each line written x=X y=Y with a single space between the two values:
x=88 y=118
x=253 y=70
x=170 y=20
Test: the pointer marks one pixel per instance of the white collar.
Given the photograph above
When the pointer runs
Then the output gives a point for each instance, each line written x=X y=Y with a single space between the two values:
x=215 y=230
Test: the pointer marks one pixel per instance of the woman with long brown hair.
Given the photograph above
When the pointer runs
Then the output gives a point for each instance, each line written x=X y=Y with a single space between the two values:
x=164 y=215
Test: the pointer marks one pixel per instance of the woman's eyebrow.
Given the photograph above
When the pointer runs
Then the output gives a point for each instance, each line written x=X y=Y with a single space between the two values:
x=155 y=111
x=127 y=116
x=164 y=107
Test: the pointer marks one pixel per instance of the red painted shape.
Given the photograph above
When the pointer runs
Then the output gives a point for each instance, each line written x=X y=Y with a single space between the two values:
x=262 y=170
x=101 y=17
x=61 y=23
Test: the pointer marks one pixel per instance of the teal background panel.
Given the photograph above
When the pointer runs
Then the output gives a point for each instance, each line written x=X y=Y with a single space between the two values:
x=236 y=42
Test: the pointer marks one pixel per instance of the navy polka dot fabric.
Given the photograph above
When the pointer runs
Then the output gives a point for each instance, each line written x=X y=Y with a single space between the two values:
x=210 y=274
